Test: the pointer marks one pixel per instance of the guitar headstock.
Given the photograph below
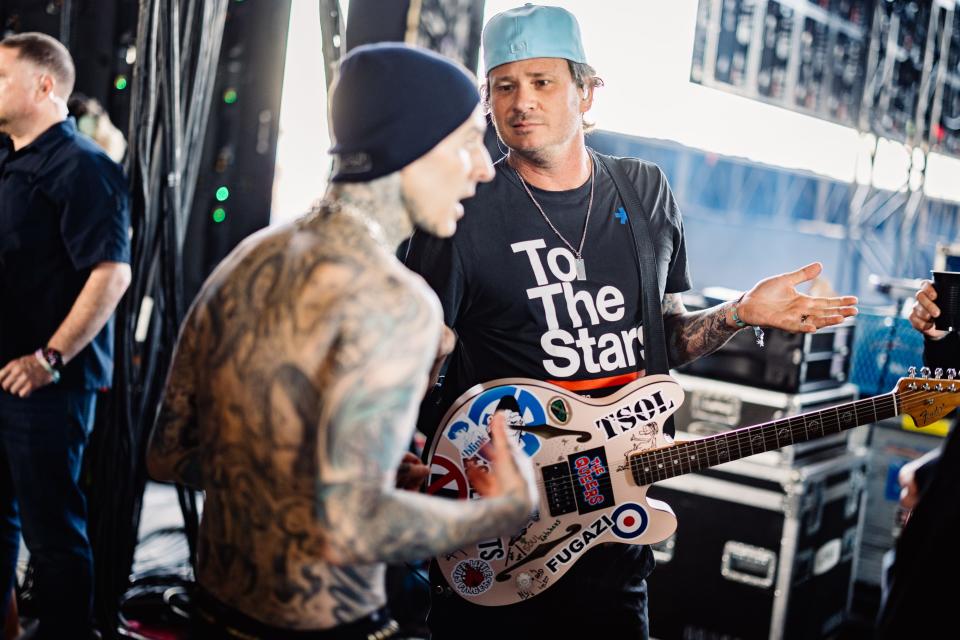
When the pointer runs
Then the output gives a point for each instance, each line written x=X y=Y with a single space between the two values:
x=926 y=399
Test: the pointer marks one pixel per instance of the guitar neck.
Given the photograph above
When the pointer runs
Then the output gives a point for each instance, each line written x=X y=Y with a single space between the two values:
x=695 y=455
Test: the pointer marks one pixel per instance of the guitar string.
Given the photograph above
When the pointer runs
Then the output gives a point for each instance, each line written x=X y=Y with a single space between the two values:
x=796 y=424
x=663 y=455
x=897 y=399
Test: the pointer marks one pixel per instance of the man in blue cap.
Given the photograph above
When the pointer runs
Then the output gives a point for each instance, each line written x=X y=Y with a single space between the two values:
x=541 y=281
x=293 y=390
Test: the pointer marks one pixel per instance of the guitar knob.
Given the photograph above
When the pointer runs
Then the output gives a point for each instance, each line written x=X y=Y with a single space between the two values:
x=925 y=372
x=938 y=373
x=951 y=374
x=912 y=372
x=524 y=581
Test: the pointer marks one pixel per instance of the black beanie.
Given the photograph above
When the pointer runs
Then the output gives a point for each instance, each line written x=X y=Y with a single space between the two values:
x=391 y=104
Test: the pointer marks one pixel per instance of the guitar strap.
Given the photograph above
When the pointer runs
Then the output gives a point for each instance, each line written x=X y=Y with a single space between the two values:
x=654 y=336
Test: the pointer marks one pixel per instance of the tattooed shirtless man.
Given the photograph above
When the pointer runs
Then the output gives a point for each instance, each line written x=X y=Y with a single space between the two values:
x=299 y=369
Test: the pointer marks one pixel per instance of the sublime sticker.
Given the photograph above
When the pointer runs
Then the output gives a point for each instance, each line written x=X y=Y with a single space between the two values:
x=629 y=521
x=471 y=577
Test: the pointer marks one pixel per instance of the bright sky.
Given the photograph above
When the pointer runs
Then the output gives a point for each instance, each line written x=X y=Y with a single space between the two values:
x=643 y=51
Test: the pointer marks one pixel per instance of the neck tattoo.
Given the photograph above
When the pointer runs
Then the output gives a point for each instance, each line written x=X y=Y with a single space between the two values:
x=578 y=252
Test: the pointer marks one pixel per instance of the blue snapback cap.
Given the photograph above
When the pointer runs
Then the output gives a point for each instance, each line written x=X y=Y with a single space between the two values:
x=531 y=31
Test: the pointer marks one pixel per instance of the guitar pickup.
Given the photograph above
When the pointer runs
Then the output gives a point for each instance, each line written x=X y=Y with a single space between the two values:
x=558 y=488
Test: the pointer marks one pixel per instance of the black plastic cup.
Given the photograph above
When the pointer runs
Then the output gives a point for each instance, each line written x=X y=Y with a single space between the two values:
x=947 y=284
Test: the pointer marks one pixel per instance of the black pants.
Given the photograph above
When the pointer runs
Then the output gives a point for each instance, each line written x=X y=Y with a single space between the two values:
x=603 y=595
x=213 y=620
x=41 y=445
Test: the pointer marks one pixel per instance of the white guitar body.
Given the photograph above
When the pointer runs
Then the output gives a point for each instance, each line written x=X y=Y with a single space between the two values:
x=579 y=447
x=595 y=458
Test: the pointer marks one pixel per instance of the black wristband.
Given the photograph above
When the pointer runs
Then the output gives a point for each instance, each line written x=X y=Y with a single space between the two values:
x=54 y=358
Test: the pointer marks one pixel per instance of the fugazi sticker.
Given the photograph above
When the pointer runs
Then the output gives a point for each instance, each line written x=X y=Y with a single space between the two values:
x=627 y=522
x=572 y=550
x=471 y=577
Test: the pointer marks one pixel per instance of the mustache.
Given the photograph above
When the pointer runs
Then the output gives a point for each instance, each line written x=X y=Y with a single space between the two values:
x=521 y=119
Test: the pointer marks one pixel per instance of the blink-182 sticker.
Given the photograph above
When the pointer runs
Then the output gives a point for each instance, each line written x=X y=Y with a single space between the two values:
x=472 y=577
x=590 y=474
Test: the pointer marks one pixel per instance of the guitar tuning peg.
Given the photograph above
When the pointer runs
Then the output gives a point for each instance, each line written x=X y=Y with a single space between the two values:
x=924 y=372
x=951 y=374
x=938 y=373
x=912 y=372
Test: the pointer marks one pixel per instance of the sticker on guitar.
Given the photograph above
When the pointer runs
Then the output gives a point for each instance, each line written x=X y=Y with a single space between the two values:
x=584 y=501
x=471 y=434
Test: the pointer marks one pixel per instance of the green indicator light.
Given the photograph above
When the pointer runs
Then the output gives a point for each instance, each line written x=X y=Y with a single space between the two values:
x=230 y=96
x=219 y=214
x=120 y=83
x=222 y=194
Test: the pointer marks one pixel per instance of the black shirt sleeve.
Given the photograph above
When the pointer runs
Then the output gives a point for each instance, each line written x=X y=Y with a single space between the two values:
x=943 y=353
x=96 y=216
x=678 y=276
x=438 y=262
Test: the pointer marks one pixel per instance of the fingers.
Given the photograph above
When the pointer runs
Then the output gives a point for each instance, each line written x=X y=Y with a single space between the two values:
x=909 y=496
x=925 y=303
x=7 y=375
x=483 y=482
x=415 y=476
x=498 y=433
x=827 y=303
x=925 y=311
x=411 y=472
x=823 y=321
x=804 y=274
x=448 y=340
x=487 y=483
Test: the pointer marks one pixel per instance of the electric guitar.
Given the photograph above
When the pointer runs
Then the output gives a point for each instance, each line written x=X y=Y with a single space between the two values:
x=594 y=459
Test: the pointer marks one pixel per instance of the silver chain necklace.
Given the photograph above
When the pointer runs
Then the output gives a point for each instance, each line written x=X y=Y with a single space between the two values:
x=578 y=252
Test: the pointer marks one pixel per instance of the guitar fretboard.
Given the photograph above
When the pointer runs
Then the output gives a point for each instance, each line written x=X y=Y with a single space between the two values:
x=695 y=455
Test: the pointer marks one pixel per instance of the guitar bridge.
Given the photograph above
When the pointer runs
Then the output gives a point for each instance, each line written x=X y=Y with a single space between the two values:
x=558 y=488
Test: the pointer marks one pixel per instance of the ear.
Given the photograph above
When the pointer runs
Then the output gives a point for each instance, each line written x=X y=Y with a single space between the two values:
x=46 y=86
x=586 y=98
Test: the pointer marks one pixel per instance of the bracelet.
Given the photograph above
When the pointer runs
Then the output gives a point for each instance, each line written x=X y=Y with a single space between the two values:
x=736 y=318
x=757 y=331
x=46 y=365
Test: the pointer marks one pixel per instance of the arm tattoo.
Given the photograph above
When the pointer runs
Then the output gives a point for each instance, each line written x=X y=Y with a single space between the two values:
x=298 y=379
x=376 y=396
x=691 y=335
x=174 y=450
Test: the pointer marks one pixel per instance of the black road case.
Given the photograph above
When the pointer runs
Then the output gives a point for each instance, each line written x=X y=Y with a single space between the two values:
x=760 y=551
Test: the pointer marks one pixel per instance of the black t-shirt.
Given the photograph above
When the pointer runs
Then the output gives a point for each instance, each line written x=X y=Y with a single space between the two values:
x=508 y=284
x=63 y=210
x=508 y=288
x=926 y=552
